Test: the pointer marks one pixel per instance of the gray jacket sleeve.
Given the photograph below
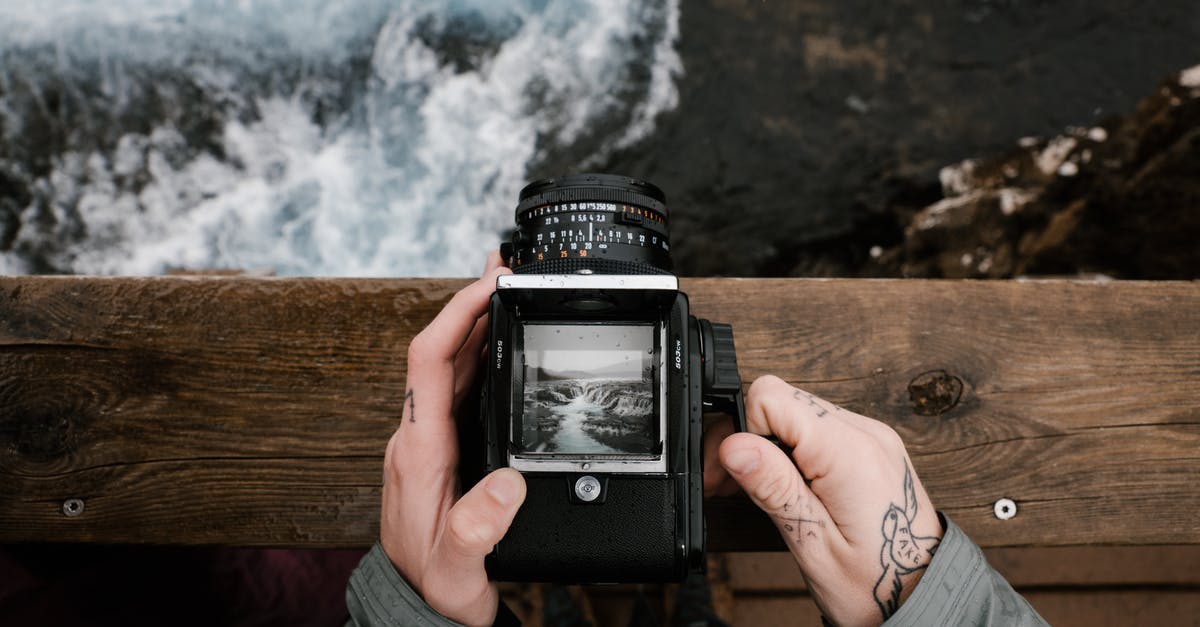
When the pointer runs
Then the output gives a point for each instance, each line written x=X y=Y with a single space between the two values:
x=378 y=595
x=958 y=589
x=961 y=589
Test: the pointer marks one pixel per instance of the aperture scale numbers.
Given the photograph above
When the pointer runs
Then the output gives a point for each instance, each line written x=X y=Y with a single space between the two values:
x=580 y=229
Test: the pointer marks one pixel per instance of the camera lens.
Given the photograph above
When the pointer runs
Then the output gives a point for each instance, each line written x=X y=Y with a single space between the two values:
x=591 y=224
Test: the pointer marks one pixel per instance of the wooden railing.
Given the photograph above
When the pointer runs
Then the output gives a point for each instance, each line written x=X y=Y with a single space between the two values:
x=255 y=411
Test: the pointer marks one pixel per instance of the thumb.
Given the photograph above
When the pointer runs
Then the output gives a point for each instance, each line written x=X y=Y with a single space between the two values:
x=482 y=516
x=717 y=481
x=775 y=485
x=458 y=585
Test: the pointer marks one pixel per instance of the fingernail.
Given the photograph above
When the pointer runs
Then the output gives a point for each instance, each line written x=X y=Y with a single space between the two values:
x=742 y=460
x=503 y=489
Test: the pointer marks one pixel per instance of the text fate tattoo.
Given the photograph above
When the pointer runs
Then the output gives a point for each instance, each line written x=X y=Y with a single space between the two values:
x=412 y=406
x=903 y=552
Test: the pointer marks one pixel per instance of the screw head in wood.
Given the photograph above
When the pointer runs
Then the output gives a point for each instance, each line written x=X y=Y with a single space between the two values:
x=1005 y=509
x=72 y=507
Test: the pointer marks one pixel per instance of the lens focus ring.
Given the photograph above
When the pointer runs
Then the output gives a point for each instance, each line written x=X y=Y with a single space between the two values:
x=591 y=223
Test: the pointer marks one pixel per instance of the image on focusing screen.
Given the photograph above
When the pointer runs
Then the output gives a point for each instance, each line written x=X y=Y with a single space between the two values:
x=588 y=389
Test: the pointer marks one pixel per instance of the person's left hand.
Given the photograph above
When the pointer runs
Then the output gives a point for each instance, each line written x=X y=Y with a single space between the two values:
x=436 y=539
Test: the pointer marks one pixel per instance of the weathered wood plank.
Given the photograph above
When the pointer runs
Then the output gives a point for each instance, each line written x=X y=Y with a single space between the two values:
x=1061 y=608
x=1025 y=567
x=254 y=411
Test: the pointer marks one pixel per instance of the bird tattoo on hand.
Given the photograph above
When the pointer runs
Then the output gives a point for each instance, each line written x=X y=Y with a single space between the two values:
x=903 y=552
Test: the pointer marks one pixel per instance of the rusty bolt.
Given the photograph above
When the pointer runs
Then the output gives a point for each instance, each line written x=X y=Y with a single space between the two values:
x=72 y=507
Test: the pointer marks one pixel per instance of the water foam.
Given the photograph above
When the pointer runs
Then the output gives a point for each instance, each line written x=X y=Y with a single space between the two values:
x=415 y=176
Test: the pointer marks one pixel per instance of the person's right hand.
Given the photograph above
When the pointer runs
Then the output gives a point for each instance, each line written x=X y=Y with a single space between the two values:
x=435 y=535
x=847 y=501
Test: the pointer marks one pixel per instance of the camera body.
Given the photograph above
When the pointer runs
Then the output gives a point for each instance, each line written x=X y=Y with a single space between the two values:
x=595 y=390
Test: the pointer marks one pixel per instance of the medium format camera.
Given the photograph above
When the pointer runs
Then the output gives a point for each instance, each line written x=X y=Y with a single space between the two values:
x=597 y=379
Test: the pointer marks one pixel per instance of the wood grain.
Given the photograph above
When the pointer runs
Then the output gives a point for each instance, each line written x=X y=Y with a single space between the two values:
x=254 y=411
x=1082 y=608
x=776 y=573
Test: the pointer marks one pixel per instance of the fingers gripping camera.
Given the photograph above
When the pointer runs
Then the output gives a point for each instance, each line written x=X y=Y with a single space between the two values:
x=597 y=380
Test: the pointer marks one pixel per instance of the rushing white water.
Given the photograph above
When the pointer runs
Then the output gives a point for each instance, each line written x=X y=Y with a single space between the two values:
x=572 y=437
x=356 y=138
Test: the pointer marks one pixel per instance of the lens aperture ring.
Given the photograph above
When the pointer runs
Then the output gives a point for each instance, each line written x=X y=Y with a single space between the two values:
x=600 y=237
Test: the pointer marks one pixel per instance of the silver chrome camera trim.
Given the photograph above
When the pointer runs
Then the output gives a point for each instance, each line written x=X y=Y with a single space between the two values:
x=587 y=282
x=583 y=463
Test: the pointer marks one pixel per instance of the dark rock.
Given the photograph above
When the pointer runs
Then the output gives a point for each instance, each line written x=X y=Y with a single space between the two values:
x=14 y=196
x=1121 y=199
x=465 y=40
x=809 y=132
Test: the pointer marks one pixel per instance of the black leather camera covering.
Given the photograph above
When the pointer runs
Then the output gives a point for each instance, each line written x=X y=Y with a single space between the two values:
x=632 y=537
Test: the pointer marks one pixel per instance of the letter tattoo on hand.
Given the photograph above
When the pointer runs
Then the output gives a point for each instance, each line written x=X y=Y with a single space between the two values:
x=803 y=396
x=412 y=406
x=903 y=552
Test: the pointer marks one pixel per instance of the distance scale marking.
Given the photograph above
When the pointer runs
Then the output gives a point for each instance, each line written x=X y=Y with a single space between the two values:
x=577 y=229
